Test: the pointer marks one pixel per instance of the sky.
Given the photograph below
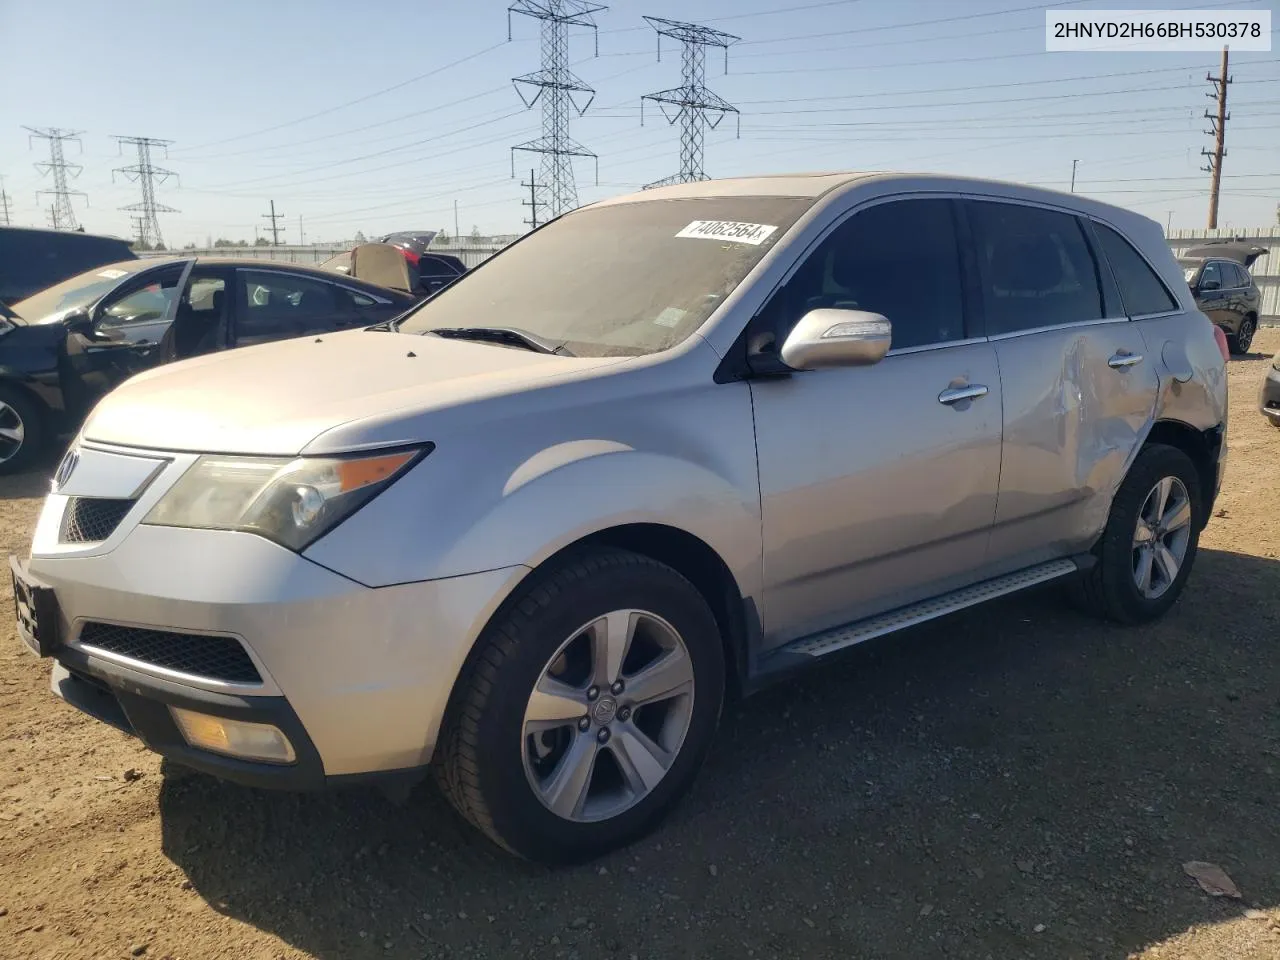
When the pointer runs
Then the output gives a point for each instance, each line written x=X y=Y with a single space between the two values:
x=381 y=115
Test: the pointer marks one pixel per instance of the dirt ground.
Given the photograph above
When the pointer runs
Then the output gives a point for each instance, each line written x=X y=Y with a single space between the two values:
x=1016 y=781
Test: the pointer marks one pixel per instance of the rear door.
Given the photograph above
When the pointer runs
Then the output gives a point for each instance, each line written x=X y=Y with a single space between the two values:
x=1213 y=294
x=1077 y=386
x=278 y=304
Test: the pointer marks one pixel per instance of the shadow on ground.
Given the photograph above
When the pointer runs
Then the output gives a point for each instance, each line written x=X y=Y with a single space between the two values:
x=34 y=481
x=1015 y=781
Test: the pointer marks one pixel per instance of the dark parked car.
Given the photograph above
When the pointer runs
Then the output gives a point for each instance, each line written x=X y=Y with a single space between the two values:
x=1218 y=274
x=32 y=259
x=64 y=348
x=1269 y=395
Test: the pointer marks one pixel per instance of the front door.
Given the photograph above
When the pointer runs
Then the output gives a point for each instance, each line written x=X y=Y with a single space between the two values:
x=1078 y=384
x=276 y=304
x=878 y=484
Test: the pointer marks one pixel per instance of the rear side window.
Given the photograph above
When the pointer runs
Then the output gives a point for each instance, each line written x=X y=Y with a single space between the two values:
x=1037 y=269
x=1140 y=288
x=1240 y=275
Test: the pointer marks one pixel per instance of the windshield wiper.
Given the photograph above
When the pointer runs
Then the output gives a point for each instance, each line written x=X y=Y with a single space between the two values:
x=505 y=335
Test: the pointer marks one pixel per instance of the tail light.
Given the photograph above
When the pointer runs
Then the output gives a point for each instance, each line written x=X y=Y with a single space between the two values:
x=1221 y=337
x=409 y=255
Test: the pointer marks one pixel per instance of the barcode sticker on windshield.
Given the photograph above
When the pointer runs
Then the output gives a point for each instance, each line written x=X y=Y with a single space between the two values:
x=752 y=233
x=112 y=274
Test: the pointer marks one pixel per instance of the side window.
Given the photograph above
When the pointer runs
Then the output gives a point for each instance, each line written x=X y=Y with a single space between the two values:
x=1140 y=288
x=1036 y=266
x=1239 y=278
x=1211 y=277
x=139 y=310
x=277 y=306
x=899 y=259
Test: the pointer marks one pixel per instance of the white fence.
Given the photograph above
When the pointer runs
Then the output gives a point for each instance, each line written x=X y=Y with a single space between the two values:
x=1265 y=270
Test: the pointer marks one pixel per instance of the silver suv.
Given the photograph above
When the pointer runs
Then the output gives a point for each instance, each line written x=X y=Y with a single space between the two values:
x=666 y=447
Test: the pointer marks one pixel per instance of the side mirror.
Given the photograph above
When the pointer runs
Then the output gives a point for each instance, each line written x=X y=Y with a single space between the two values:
x=1207 y=285
x=837 y=338
x=78 y=321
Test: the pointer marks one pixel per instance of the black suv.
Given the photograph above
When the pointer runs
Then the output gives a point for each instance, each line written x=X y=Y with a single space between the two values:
x=1218 y=274
x=32 y=259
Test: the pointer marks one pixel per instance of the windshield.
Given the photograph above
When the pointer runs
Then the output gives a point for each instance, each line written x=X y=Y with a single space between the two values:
x=619 y=280
x=54 y=302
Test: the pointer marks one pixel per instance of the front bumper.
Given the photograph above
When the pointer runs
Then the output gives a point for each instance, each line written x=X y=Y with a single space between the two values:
x=1269 y=395
x=358 y=678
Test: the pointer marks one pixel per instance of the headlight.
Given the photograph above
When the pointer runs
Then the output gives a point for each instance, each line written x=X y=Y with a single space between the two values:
x=293 y=502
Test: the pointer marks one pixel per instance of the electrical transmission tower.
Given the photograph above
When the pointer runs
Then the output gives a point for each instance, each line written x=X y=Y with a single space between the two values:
x=4 y=204
x=1217 y=130
x=560 y=92
x=146 y=174
x=62 y=216
x=698 y=108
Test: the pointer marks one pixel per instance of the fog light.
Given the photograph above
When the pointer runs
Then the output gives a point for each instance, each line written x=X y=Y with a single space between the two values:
x=235 y=738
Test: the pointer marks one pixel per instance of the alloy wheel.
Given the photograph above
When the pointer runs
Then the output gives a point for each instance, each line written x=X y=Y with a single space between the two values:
x=12 y=432
x=608 y=716
x=1244 y=339
x=1161 y=537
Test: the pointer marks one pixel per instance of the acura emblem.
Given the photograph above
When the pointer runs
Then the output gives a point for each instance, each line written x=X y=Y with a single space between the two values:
x=65 y=469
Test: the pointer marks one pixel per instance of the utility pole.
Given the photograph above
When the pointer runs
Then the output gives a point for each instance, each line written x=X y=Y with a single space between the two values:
x=145 y=174
x=1168 y=223
x=560 y=91
x=62 y=217
x=275 y=227
x=1073 y=175
x=532 y=202
x=4 y=204
x=697 y=108
x=301 y=236
x=53 y=216
x=457 y=234
x=1218 y=130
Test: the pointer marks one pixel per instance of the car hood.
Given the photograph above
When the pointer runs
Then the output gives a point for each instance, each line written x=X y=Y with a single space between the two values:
x=275 y=399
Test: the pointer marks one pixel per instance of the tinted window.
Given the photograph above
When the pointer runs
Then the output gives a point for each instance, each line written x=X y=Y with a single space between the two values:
x=276 y=306
x=1037 y=269
x=1239 y=277
x=1211 y=277
x=1140 y=288
x=899 y=259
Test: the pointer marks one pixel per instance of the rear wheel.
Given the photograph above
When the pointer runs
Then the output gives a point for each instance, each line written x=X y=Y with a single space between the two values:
x=1150 y=541
x=1242 y=340
x=586 y=709
x=21 y=430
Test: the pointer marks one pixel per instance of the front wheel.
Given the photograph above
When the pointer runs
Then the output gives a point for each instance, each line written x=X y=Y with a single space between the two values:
x=1150 y=541
x=21 y=430
x=586 y=709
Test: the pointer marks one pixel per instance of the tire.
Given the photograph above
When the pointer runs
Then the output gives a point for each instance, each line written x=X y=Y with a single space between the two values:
x=487 y=758
x=1240 y=341
x=1110 y=589
x=19 y=415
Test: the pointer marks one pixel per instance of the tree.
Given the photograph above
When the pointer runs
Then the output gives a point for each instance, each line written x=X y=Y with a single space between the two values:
x=242 y=243
x=222 y=242
x=159 y=245
x=475 y=232
x=360 y=237
x=262 y=242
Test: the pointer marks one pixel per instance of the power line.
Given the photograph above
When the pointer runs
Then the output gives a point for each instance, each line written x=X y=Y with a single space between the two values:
x=698 y=108
x=61 y=214
x=1218 y=130
x=146 y=174
x=556 y=86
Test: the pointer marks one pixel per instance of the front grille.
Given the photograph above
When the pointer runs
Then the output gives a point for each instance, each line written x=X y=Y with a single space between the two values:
x=92 y=519
x=216 y=658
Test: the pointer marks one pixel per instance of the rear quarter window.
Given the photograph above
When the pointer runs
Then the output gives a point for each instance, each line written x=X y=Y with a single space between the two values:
x=1141 y=290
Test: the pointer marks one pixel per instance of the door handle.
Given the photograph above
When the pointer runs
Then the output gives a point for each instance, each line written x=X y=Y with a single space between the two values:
x=1122 y=360
x=955 y=394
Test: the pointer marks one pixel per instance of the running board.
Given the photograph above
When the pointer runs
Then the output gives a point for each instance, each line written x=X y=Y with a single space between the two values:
x=829 y=641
